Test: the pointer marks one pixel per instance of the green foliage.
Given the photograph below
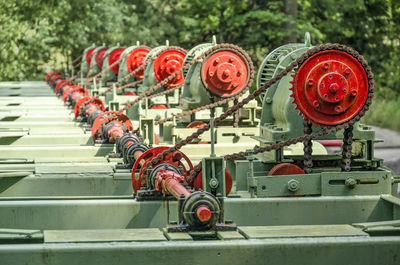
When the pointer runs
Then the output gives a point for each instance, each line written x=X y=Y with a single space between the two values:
x=43 y=34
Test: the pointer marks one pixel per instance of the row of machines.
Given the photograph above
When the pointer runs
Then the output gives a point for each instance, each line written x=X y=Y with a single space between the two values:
x=163 y=153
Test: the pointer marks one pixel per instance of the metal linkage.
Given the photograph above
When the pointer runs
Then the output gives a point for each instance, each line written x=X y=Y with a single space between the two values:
x=295 y=64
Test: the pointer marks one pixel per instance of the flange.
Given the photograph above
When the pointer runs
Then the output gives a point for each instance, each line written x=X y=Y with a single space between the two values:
x=167 y=63
x=100 y=57
x=330 y=87
x=173 y=159
x=135 y=59
x=113 y=57
x=225 y=72
x=121 y=118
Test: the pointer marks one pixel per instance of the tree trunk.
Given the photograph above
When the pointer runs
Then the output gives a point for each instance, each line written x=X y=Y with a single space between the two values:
x=291 y=25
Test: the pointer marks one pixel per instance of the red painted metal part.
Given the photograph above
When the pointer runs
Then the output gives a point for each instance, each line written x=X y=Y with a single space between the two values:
x=49 y=75
x=89 y=55
x=196 y=125
x=198 y=182
x=130 y=94
x=68 y=90
x=169 y=182
x=121 y=119
x=113 y=57
x=159 y=107
x=225 y=73
x=285 y=169
x=100 y=57
x=78 y=92
x=54 y=78
x=135 y=59
x=167 y=63
x=59 y=85
x=97 y=104
x=172 y=159
x=330 y=88
x=331 y=143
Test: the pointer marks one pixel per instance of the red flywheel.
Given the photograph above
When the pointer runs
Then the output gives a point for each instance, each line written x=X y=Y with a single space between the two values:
x=330 y=87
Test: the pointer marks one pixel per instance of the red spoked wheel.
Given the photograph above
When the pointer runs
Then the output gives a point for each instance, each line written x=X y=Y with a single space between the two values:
x=100 y=57
x=59 y=85
x=137 y=58
x=96 y=102
x=167 y=63
x=330 y=88
x=285 y=169
x=89 y=55
x=172 y=159
x=68 y=90
x=49 y=75
x=225 y=72
x=121 y=118
x=113 y=57
x=198 y=182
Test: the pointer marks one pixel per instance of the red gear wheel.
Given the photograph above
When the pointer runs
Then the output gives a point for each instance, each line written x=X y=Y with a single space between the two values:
x=89 y=55
x=167 y=63
x=225 y=72
x=98 y=102
x=96 y=127
x=172 y=159
x=113 y=57
x=330 y=88
x=137 y=58
x=285 y=169
x=100 y=57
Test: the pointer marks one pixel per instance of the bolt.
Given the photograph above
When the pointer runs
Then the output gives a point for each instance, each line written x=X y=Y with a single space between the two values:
x=310 y=82
x=226 y=73
x=322 y=84
x=338 y=109
x=350 y=183
x=239 y=73
x=344 y=90
x=326 y=96
x=316 y=103
x=347 y=71
x=216 y=61
x=211 y=74
x=293 y=185
x=213 y=183
x=326 y=66
x=230 y=60
x=235 y=84
x=354 y=92
x=333 y=88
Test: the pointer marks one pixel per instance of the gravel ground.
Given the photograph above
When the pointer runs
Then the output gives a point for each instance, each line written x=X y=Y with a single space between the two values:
x=389 y=150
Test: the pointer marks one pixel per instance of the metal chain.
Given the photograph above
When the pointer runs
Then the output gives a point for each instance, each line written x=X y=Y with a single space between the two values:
x=102 y=72
x=211 y=106
x=257 y=92
x=308 y=162
x=77 y=59
x=347 y=148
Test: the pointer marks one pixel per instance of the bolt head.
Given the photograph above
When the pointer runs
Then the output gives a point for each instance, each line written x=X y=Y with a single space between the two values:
x=316 y=103
x=326 y=66
x=310 y=82
x=338 y=109
x=347 y=71
x=293 y=185
x=354 y=92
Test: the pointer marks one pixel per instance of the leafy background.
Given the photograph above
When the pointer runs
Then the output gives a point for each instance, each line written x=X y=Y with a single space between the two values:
x=38 y=35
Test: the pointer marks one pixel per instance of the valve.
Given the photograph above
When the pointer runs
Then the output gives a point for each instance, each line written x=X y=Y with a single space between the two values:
x=137 y=58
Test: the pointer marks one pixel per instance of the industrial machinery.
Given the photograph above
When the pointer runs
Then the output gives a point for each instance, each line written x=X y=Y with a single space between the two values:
x=260 y=205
